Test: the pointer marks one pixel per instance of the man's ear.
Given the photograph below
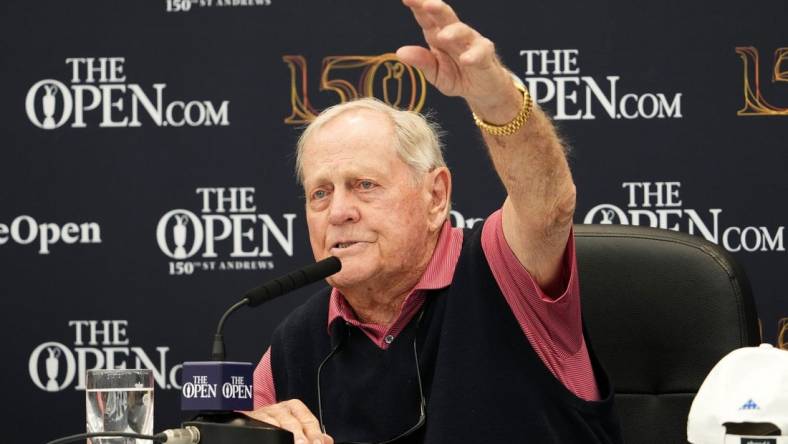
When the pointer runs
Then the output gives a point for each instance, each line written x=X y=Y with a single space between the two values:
x=437 y=185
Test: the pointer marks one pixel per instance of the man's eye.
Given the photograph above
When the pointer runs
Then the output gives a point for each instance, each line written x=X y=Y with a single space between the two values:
x=319 y=194
x=366 y=185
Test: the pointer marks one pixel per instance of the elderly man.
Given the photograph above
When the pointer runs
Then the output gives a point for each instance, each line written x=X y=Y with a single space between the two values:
x=432 y=334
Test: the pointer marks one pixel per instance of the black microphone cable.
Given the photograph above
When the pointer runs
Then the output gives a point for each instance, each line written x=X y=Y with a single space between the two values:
x=187 y=435
x=159 y=437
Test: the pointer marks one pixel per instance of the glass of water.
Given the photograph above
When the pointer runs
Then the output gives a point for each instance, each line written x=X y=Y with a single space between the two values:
x=119 y=400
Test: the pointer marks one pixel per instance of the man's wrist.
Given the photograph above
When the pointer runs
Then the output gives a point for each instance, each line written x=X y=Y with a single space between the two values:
x=515 y=124
x=501 y=107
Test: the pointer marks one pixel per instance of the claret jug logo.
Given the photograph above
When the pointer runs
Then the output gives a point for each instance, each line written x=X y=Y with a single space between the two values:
x=99 y=92
x=755 y=104
x=553 y=76
x=658 y=205
x=227 y=233
x=344 y=78
x=54 y=366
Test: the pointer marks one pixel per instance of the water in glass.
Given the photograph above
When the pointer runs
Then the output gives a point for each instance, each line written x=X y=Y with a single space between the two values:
x=119 y=401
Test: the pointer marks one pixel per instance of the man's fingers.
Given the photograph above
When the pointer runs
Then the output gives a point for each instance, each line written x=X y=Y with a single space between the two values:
x=292 y=425
x=310 y=424
x=432 y=16
x=480 y=55
x=295 y=417
x=423 y=18
x=412 y=3
x=260 y=415
x=440 y=13
x=420 y=58
x=456 y=38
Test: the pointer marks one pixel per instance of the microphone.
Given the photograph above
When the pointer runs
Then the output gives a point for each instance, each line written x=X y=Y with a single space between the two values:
x=273 y=289
x=217 y=388
x=292 y=281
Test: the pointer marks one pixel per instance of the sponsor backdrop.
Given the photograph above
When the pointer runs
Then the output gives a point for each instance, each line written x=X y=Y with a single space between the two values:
x=146 y=170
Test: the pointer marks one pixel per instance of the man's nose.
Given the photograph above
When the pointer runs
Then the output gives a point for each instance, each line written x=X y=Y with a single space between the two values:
x=343 y=208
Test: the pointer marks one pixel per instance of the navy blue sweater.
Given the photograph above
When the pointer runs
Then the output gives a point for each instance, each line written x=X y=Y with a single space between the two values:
x=482 y=380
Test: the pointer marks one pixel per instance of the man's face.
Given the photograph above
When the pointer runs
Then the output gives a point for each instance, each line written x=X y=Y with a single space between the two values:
x=362 y=202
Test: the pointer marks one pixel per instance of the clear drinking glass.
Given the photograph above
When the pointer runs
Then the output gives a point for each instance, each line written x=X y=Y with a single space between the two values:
x=119 y=400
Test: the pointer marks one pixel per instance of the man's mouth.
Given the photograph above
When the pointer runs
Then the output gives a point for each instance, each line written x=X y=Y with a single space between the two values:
x=344 y=244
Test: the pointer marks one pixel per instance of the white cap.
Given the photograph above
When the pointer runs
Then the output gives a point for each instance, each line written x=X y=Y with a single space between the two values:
x=749 y=385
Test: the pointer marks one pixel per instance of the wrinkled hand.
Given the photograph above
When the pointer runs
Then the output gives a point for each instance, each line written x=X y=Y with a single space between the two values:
x=295 y=417
x=459 y=61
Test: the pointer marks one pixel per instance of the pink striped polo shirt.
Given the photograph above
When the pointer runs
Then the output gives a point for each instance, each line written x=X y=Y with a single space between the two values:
x=551 y=325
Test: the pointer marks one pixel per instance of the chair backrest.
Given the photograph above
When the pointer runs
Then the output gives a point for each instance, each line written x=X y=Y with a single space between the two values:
x=661 y=308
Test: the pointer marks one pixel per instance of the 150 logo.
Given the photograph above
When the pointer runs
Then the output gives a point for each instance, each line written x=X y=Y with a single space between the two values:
x=98 y=90
x=227 y=220
x=350 y=77
x=754 y=102
x=657 y=204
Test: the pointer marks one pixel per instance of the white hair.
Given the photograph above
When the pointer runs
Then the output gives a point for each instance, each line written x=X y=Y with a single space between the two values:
x=417 y=139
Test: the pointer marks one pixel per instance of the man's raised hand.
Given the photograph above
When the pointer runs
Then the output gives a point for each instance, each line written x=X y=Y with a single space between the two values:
x=459 y=61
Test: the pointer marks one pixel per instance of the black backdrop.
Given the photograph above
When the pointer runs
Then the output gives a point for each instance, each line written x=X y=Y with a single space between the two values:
x=676 y=112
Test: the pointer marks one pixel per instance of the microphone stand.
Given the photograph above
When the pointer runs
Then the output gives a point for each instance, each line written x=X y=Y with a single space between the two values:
x=219 y=427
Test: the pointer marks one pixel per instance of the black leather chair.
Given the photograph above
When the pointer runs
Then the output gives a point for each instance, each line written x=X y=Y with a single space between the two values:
x=661 y=308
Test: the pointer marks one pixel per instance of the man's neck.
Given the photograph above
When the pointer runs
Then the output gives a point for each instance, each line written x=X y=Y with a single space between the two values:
x=382 y=310
x=380 y=302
